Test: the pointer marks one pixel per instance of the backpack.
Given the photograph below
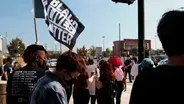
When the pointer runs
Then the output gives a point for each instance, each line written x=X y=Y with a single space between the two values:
x=119 y=73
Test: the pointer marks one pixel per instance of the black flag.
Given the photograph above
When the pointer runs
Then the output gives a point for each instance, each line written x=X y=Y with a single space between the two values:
x=63 y=25
x=38 y=9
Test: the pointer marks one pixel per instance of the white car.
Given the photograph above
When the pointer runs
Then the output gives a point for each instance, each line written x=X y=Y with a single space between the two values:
x=52 y=62
x=163 y=62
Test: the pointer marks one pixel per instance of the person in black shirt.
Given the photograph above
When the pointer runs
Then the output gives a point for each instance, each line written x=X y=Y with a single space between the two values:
x=21 y=82
x=106 y=86
x=128 y=67
x=163 y=85
x=8 y=66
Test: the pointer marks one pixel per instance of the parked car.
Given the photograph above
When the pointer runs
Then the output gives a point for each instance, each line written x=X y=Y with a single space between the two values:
x=163 y=62
x=52 y=62
x=161 y=57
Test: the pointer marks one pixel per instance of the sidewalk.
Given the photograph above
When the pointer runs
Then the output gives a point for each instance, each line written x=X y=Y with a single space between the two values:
x=3 y=82
x=124 y=97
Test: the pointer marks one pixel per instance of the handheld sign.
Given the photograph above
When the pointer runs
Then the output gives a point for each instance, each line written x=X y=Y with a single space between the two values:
x=63 y=25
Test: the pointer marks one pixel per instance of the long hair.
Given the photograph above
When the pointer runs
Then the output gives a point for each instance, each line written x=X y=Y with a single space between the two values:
x=106 y=70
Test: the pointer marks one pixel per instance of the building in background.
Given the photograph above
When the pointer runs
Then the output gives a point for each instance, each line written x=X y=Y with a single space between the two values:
x=3 y=46
x=125 y=46
x=117 y=48
x=1 y=43
x=98 y=51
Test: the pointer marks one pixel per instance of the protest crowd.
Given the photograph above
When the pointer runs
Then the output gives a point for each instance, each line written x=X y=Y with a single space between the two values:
x=95 y=83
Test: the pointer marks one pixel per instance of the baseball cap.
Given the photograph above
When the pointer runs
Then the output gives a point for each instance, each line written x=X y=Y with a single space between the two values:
x=147 y=63
x=115 y=61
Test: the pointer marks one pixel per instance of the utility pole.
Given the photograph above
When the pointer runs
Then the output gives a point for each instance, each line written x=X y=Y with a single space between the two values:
x=141 y=40
x=155 y=42
x=46 y=46
x=140 y=25
x=55 y=44
x=119 y=31
x=103 y=43
x=120 y=40
x=6 y=42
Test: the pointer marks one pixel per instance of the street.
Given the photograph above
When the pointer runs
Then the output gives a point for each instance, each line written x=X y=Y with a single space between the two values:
x=124 y=98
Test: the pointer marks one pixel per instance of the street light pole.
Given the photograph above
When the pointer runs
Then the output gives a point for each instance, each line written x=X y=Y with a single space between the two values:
x=155 y=42
x=55 y=44
x=19 y=35
x=120 y=40
x=103 y=43
x=119 y=32
x=141 y=30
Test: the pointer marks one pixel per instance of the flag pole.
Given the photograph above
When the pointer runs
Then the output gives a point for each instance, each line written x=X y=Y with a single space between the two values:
x=60 y=48
x=35 y=28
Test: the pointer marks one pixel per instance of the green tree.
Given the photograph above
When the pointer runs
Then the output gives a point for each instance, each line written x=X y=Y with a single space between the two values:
x=92 y=51
x=53 y=55
x=15 y=47
x=108 y=51
x=82 y=51
x=134 y=50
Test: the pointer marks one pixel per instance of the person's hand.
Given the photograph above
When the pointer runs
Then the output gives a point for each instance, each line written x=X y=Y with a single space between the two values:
x=99 y=84
x=95 y=77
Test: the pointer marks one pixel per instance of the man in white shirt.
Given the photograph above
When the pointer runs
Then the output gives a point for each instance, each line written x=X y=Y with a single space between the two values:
x=146 y=63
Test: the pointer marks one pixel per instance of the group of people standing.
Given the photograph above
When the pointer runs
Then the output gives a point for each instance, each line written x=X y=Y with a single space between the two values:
x=7 y=67
x=101 y=84
x=35 y=84
x=32 y=84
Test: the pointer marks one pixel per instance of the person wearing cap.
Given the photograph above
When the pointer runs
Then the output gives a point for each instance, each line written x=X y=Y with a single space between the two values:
x=146 y=64
x=120 y=81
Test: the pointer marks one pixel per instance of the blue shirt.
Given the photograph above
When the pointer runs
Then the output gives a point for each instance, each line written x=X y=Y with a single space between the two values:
x=48 y=90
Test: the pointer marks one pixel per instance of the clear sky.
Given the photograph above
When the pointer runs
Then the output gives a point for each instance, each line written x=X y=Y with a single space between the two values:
x=100 y=17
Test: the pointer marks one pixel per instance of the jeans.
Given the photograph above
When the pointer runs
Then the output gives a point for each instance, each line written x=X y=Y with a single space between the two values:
x=81 y=96
x=119 y=91
x=93 y=99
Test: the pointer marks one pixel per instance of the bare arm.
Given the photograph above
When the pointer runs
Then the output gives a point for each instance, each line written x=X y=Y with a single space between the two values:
x=90 y=80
